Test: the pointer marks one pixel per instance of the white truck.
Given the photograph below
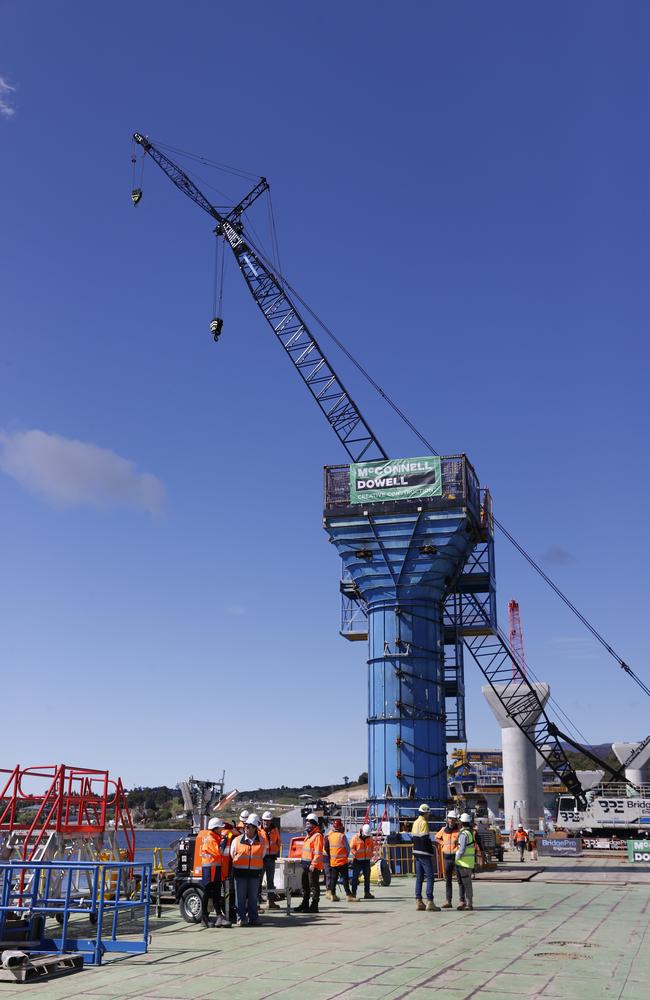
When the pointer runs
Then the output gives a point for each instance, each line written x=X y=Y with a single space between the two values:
x=614 y=814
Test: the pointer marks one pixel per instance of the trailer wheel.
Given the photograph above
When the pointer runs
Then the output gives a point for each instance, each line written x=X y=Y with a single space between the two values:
x=191 y=904
x=385 y=871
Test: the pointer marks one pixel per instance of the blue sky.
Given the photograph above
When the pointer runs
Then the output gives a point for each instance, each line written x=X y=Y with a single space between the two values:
x=461 y=191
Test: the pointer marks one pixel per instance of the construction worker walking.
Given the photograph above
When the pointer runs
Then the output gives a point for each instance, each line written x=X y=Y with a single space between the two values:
x=313 y=854
x=447 y=837
x=466 y=861
x=361 y=849
x=247 y=853
x=337 y=850
x=423 y=856
x=273 y=853
x=520 y=840
x=207 y=867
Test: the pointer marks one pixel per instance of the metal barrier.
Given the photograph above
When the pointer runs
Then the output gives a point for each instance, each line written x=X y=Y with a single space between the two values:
x=402 y=862
x=109 y=894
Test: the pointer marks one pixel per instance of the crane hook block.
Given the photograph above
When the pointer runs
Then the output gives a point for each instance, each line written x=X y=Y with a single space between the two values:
x=216 y=326
x=136 y=195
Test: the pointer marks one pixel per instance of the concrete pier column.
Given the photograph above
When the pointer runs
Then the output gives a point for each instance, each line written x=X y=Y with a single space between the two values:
x=637 y=772
x=522 y=801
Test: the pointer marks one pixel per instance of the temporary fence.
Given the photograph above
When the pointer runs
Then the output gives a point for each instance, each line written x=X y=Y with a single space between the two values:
x=112 y=896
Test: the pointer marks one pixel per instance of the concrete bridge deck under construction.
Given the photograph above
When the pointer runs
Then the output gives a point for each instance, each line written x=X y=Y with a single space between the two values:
x=570 y=928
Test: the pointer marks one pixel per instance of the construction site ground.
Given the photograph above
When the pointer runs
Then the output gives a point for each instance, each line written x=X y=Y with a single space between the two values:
x=566 y=927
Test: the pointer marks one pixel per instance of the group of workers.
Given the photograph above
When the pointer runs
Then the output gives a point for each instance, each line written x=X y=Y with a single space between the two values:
x=460 y=850
x=234 y=858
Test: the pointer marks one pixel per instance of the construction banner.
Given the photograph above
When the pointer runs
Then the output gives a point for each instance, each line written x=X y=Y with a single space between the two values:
x=395 y=479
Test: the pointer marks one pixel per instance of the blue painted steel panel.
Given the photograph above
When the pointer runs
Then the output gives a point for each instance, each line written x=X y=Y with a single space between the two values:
x=405 y=588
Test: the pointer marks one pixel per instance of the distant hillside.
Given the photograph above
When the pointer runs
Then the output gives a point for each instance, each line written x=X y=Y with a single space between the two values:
x=583 y=763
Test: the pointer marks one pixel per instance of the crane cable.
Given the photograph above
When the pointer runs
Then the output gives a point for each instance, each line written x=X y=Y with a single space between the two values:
x=276 y=271
x=400 y=413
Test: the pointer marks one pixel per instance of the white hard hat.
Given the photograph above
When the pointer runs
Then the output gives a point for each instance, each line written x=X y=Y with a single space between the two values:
x=215 y=823
x=253 y=819
x=244 y=814
x=267 y=815
x=312 y=818
x=521 y=826
x=452 y=815
x=465 y=818
x=423 y=808
x=365 y=829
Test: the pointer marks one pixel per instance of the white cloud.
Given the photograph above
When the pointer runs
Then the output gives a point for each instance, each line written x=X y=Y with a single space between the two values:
x=68 y=473
x=6 y=106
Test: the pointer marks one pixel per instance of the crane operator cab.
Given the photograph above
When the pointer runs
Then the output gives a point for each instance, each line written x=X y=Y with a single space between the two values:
x=216 y=326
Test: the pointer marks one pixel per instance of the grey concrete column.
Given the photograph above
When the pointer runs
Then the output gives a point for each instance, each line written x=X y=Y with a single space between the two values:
x=637 y=772
x=522 y=799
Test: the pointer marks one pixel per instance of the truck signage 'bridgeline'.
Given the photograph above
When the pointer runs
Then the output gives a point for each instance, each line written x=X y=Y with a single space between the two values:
x=396 y=479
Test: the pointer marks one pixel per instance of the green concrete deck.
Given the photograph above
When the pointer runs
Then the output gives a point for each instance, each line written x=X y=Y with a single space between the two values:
x=563 y=933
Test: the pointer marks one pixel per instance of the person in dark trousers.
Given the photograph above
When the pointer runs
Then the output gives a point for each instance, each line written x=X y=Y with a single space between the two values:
x=447 y=837
x=247 y=853
x=423 y=857
x=312 y=858
x=362 y=849
x=273 y=853
x=521 y=840
x=337 y=850
x=207 y=866
x=466 y=860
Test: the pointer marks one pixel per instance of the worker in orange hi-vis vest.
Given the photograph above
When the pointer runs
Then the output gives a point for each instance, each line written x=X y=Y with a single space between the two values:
x=362 y=848
x=274 y=847
x=447 y=837
x=337 y=849
x=313 y=863
x=520 y=840
x=247 y=854
x=207 y=867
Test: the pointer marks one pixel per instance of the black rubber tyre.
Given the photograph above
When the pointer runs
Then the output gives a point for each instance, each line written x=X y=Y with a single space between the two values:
x=386 y=876
x=191 y=904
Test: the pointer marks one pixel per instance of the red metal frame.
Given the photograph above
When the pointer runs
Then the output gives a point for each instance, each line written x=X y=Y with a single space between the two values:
x=73 y=801
x=516 y=637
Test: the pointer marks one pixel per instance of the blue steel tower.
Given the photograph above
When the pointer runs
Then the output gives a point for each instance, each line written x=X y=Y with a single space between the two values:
x=404 y=529
x=418 y=553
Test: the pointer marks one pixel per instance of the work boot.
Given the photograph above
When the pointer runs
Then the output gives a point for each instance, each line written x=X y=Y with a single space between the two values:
x=463 y=906
x=469 y=906
x=222 y=922
x=419 y=905
x=334 y=898
x=447 y=905
x=304 y=906
x=328 y=895
x=313 y=906
x=273 y=905
x=368 y=895
x=352 y=899
x=431 y=906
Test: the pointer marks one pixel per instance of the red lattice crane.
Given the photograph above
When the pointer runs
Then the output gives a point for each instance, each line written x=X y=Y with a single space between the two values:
x=516 y=636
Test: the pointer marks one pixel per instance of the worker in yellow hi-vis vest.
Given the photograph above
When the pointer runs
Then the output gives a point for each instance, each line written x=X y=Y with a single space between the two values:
x=466 y=860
